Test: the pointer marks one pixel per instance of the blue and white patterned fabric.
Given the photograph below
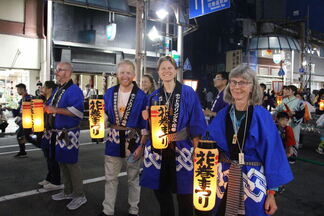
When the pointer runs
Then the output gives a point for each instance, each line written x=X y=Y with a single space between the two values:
x=72 y=99
x=134 y=120
x=263 y=144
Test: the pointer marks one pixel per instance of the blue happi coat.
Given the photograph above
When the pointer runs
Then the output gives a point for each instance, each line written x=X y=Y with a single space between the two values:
x=263 y=144
x=190 y=116
x=135 y=120
x=72 y=99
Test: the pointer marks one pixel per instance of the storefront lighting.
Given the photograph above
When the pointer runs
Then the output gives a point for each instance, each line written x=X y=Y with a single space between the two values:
x=154 y=34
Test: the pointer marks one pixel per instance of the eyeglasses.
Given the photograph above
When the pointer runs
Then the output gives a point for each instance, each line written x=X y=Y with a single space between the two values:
x=240 y=83
x=60 y=69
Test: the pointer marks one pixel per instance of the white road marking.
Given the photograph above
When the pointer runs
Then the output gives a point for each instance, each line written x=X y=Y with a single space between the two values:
x=42 y=190
x=38 y=149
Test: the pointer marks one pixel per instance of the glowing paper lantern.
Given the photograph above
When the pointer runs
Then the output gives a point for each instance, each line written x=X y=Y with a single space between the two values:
x=27 y=121
x=159 y=126
x=205 y=175
x=97 y=118
x=279 y=100
x=321 y=105
x=38 y=115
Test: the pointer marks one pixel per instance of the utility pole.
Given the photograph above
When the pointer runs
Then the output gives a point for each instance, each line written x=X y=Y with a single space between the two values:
x=139 y=40
x=179 y=41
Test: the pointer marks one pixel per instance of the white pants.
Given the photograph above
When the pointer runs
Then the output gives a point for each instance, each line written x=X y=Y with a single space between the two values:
x=113 y=166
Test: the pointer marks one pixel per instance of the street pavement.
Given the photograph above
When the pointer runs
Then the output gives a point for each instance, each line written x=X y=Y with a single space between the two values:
x=21 y=196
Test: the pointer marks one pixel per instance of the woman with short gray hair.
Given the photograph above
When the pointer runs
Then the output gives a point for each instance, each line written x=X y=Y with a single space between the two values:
x=253 y=162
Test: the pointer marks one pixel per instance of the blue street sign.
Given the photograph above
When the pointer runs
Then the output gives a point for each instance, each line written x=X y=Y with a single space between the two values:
x=201 y=7
x=301 y=70
x=187 y=65
x=281 y=72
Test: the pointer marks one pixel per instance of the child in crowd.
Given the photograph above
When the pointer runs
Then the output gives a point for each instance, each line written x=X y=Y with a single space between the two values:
x=287 y=134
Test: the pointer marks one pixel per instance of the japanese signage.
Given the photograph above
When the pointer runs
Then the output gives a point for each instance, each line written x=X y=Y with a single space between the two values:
x=201 y=7
x=96 y=118
x=205 y=177
x=159 y=126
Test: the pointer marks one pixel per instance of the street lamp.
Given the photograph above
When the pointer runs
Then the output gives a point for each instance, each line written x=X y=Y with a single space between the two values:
x=162 y=13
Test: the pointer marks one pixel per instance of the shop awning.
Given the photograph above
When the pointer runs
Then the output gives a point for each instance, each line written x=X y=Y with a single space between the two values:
x=274 y=43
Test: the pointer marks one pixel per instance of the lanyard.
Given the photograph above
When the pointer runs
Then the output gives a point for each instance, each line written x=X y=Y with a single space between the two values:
x=236 y=126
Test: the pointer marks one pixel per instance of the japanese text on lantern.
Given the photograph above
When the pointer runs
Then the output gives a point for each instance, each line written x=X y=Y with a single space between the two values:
x=205 y=176
x=159 y=126
x=96 y=118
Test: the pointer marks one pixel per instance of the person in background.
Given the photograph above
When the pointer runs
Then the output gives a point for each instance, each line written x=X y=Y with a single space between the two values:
x=88 y=92
x=220 y=82
x=23 y=135
x=286 y=132
x=148 y=85
x=296 y=110
x=251 y=150
x=65 y=113
x=123 y=106
x=3 y=122
x=265 y=98
x=39 y=85
x=53 y=178
x=170 y=170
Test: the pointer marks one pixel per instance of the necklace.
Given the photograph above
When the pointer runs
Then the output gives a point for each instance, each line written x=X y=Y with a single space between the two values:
x=167 y=98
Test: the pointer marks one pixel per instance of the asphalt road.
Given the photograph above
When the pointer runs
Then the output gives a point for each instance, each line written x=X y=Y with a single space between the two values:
x=21 y=196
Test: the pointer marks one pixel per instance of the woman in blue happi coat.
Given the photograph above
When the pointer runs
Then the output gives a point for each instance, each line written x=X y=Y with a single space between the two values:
x=253 y=163
x=170 y=170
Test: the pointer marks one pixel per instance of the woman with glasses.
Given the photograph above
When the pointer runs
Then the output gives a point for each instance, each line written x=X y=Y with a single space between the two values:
x=170 y=170
x=253 y=163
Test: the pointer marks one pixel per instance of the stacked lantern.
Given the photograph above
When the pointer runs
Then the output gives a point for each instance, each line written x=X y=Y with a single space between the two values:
x=96 y=118
x=159 y=126
x=321 y=105
x=38 y=115
x=205 y=175
x=27 y=121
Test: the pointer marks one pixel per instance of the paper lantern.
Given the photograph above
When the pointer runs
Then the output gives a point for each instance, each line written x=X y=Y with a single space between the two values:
x=159 y=126
x=38 y=115
x=205 y=175
x=97 y=118
x=321 y=105
x=27 y=121
x=279 y=100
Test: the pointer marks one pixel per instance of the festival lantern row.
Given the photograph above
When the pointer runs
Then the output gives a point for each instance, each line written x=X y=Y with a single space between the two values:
x=33 y=115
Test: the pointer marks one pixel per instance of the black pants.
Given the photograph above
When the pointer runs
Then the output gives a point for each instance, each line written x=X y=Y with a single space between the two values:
x=53 y=175
x=185 y=203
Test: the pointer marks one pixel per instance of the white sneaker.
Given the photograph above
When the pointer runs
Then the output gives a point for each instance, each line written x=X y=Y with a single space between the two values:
x=44 y=182
x=51 y=186
x=319 y=150
x=61 y=196
x=76 y=202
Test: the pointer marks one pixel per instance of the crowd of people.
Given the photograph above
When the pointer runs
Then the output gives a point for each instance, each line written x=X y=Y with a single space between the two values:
x=254 y=144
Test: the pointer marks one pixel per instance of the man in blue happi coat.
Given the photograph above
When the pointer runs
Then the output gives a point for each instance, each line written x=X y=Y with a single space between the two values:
x=66 y=109
x=123 y=105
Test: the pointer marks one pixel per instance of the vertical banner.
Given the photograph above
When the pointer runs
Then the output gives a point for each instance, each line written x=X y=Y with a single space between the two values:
x=97 y=118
